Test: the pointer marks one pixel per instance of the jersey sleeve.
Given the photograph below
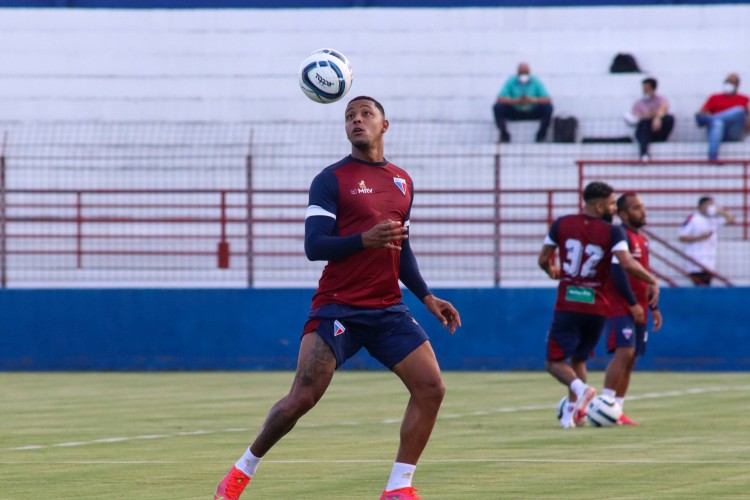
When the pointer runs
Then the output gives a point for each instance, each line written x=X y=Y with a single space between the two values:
x=619 y=239
x=323 y=196
x=551 y=238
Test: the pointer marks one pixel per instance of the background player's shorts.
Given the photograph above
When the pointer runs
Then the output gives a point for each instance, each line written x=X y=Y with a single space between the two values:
x=573 y=335
x=622 y=331
x=389 y=334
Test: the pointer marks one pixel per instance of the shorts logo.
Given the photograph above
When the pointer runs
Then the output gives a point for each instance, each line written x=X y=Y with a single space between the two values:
x=627 y=333
x=338 y=328
x=400 y=184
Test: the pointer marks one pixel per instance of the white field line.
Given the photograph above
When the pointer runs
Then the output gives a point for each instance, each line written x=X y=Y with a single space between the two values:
x=492 y=411
x=635 y=461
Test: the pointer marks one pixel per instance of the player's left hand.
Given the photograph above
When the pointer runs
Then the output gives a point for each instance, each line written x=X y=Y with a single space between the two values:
x=653 y=295
x=656 y=317
x=444 y=311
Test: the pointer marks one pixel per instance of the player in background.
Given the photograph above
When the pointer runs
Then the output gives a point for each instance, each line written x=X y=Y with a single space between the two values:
x=626 y=327
x=587 y=242
x=358 y=219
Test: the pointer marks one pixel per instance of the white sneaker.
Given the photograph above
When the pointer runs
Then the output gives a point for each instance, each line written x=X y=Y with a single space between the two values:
x=630 y=119
x=566 y=420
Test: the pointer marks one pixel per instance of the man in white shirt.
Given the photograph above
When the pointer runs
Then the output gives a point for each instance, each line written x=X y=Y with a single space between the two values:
x=699 y=234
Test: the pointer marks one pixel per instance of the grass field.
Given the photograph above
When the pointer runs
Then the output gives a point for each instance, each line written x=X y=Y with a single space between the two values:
x=173 y=436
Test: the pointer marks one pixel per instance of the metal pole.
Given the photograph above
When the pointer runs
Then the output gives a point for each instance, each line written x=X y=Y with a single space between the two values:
x=3 y=218
x=498 y=230
x=249 y=187
x=745 y=195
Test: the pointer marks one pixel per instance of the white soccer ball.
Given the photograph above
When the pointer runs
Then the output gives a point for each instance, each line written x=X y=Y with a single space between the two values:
x=561 y=407
x=325 y=75
x=603 y=411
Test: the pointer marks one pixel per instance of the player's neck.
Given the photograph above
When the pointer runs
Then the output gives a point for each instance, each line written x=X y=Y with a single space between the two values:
x=372 y=154
x=591 y=212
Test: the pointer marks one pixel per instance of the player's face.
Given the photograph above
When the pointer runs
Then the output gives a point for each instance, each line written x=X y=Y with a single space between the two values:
x=364 y=123
x=635 y=212
x=607 y=208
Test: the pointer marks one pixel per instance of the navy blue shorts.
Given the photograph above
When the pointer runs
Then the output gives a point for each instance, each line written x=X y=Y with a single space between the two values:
x=573 y=335
x=622 y=331
x=389 y=334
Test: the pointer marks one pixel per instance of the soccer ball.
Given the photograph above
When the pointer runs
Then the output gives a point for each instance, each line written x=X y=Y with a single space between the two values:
x=603 y=411
x=325 y=75
x=561 y=407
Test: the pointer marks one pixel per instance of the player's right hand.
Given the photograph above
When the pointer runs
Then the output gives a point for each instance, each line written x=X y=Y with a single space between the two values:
x=385 y=234
x=554 y=272
x=639 y=315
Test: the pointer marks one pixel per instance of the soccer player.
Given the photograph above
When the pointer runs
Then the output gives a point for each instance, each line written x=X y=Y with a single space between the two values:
x=587 y=242
x=626 y=323
x=358 y=220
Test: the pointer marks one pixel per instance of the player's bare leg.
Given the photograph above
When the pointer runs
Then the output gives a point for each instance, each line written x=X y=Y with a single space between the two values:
x=315 y=367
x=621 y=385
x=618 y=370
x=420 y=373
x=572 y=376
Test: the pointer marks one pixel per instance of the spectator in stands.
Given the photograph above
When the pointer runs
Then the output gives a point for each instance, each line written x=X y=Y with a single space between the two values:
x=699 y=234
x=725 y=115
x=651 y=118
x=523 y=97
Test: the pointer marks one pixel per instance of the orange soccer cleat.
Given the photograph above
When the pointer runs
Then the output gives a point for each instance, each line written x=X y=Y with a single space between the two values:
x=580 y=412
x=231 y=487
x=408 y=493
x=625 y=420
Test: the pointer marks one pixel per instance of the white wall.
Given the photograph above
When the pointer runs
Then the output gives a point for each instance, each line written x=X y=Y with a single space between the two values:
x=439 y=64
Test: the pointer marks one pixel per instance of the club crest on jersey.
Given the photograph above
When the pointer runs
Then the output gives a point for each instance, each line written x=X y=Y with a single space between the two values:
x=400 y=184
x=627 y=333
x=338 y=328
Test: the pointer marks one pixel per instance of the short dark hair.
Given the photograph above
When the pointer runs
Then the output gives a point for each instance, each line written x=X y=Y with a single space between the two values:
x=650 y=81
x=368 y=98
x=622 y=201
x=704 y=199
x=596 y=190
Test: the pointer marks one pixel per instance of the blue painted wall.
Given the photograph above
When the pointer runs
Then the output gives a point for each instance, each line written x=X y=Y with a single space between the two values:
x=504 y=329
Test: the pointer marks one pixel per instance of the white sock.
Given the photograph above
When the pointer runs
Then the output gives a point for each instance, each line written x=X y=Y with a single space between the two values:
x=621 y=402
x=401 y=476
x=248 y=462
x=578 y=386
x=609 y=392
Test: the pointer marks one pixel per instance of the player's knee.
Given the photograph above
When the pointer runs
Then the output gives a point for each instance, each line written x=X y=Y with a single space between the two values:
x=299 y=402
x=433 y=391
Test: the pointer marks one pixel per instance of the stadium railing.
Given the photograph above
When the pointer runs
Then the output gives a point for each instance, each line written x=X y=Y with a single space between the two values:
x=225 y=206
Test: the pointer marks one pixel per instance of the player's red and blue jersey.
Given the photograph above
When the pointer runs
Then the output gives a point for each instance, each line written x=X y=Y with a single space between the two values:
x=638 y=245
x=585 y=245
x=354 y=195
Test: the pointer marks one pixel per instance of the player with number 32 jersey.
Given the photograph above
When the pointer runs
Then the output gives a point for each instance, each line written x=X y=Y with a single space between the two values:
x=585 y=244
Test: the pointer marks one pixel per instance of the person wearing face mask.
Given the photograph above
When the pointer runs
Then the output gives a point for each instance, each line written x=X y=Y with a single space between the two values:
x=725 y=115
x=699 y=236
x=523 y=97
x=650 y=113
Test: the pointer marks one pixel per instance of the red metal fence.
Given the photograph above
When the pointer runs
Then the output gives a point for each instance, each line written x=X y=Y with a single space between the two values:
x=139 y=212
